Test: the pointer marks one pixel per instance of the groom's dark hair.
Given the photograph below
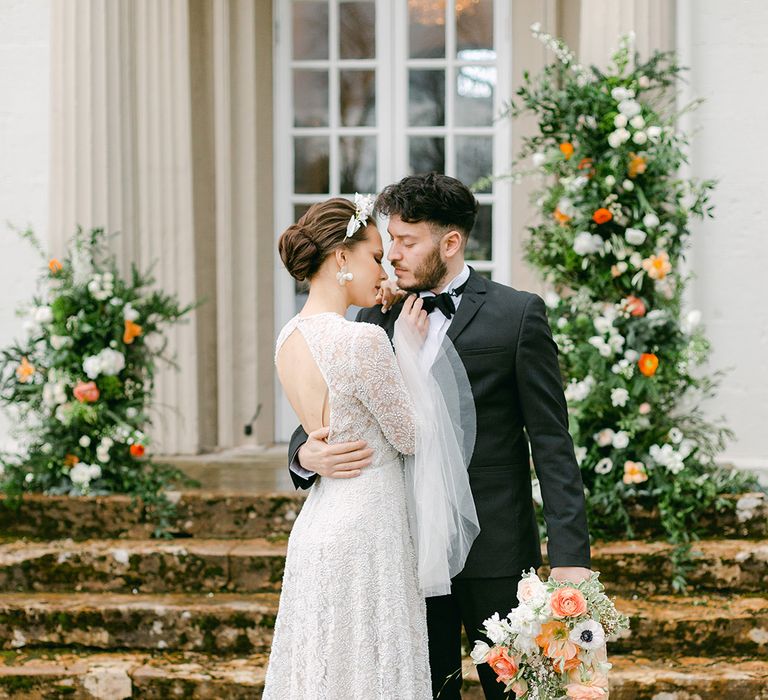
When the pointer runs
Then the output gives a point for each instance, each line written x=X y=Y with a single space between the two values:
x=442 y=201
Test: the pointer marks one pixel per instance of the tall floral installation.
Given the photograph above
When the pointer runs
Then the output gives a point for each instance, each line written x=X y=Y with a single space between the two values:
x=79 y=386
x=614 y=231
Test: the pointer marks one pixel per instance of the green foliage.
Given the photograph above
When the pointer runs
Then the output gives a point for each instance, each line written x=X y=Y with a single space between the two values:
x=79 y=387
x=612 y=240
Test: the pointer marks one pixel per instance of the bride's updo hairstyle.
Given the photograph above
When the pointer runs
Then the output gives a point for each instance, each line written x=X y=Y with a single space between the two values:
x=305 y=245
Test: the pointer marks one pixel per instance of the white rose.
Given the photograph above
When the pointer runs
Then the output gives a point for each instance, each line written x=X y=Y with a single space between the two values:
x=602 y=324
x=59 y=341
x=644 y=81
x=620 y=93
x=129 y=313
x=604 y=437
x=624 y=135
x=587 y=243
x=538 y=160
x=629 y=108
x=495 y=629
x=94 y=471
x=92 y=366
x=614 y=139
x=639 y=137
x=635 y=236
x=619 y=121
x=529 y=589
x=631 y=356
x=619 y=397
x=84 y=441
x=637 y=121
x=610 y=181
x=651 y=220
x=628 y=185
x=80 y=474
x=43 y=314
x=112 y=361
x=94 y=287
x=480 y=652
x=620 y=440
x=654 y=132
x=604 y=466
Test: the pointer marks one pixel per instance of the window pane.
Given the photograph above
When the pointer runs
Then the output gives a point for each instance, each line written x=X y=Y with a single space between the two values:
x=358 y=97
x=474 y=95
x=474 y=159
x=474 y=29
x=310 y=98
x=426 y=98
x=479 y=243
x=310 y=164
x=357 y=30
x=426 y=28
x=358 y=164
x=426 y=154
x=310 y=30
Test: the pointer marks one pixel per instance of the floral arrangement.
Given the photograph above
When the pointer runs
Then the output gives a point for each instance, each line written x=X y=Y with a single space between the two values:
x=79 y=387
x=553 y=644
x=612 y=240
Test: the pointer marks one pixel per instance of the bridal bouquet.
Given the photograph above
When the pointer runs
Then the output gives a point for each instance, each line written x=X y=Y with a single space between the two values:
x=552 y=645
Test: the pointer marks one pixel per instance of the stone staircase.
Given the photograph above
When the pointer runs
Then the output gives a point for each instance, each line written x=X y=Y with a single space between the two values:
x=92 y=607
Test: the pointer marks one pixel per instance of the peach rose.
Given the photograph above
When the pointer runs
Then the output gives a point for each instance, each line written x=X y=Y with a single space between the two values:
x=578 y=691
x=648 y=364
x=86 y=392
x=568 y=602
x=504 y=665
x=635 y=306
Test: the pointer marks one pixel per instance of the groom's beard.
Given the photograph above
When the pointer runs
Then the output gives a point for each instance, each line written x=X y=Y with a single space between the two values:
x=429 y=274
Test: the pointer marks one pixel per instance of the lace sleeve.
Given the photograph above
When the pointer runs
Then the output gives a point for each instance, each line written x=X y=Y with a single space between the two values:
x=379 y=385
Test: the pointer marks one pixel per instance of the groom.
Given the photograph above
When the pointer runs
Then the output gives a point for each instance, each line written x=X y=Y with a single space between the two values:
x=505 y=344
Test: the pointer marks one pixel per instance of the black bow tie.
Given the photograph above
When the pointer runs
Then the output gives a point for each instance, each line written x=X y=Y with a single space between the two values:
x=443 y=301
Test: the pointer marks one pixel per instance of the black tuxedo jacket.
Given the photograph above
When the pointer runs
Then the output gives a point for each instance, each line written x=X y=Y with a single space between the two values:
x=503 y=338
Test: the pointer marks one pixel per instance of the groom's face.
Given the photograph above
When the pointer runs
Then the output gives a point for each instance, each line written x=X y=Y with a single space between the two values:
x=415 y=253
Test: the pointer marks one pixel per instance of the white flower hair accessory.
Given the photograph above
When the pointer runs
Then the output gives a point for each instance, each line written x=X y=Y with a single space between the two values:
x=363 y=209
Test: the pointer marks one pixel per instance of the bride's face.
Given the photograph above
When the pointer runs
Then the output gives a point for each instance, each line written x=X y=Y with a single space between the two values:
x=364 y=262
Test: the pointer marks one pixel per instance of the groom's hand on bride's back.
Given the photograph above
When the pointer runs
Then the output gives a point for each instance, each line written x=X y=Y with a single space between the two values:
x=344 y=460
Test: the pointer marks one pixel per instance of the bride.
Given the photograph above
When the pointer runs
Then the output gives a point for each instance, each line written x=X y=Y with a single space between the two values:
x=364 y=552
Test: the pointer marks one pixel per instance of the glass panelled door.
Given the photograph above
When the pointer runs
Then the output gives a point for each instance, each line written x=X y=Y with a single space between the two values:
x=368 y=91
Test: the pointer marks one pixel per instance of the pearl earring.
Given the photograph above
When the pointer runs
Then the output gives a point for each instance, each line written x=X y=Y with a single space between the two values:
x=343 y=276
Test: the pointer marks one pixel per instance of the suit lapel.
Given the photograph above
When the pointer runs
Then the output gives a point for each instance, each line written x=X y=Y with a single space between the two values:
x=471 y=301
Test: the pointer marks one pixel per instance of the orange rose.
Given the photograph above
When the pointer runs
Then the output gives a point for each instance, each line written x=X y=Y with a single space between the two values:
x=132 y=330
x=648 y=364
x=137 y=450
x=637 y=165
x=602 y=216
x=504 y=665
x=561 y=218
x=86 y=392
x=24 y=371
x=71 y=460
x=54 y=266
x=566 y=149
x=568 y=602
x=635 y=306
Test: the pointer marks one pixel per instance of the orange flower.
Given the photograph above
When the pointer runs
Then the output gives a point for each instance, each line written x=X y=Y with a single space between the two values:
x=586 y=691
x=657 y=266
x=561 y=218
x=602 y=216
x=554 y=642
x=132 y=330
x=648 y=364
x=588 y=165
x=634 y=472
x=637 y=165
x=504 y=665
x=137 y=450
x=86 y=392
x=54 y=266
x=24 y=371
x=566 y=149
x=635 y=306
x=70 y=460
x=568 y=602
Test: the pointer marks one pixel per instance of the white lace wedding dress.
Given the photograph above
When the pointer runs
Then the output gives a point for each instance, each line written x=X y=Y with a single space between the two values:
x=352 y=621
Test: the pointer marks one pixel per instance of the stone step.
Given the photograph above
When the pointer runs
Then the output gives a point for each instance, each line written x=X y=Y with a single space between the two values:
x=217 y=624
x=143 y=566
x=235 y=514
x=256 y=565
x=115 y=676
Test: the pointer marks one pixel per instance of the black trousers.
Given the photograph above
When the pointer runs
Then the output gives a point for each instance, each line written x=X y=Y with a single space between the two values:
x=470 y=602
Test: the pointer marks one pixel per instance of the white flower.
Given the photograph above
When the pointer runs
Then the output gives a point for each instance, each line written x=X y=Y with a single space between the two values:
x=131 y=412
x=629 y=108
x=588 y=635
x=604 y=466
x=637 y=121
x=631 y=356
x=480 y=651
x=94 y=286
x=635 y=236
x=621 y=440
x=676 y=435
x=587 y=243
x=691 y=321
x=610 y=180
x=578 y=391
x=644 y=81
x=30 y=327
x=654 y=132
x=621 y=93
x=109 y=362
x=619 y=121
x=604 y=437
x=566 y=206
x=614 y=140
x=538 y=159
x=666 y=456
x=129 y=313
x=602 y=324
x=529 y=589
x=580 y=453
x=650 y=220
x=636 y=260
x=616 y=342
x=60 y=341
x=619 y=397
x=639 y=137
x=43 y=314
x=80 y=474
x=84 y=441
x=496 y=630
x=92 y=366
x=524 y=622
x=628 y=185
x=686 y=447
x=536 y=28
x=107 y=442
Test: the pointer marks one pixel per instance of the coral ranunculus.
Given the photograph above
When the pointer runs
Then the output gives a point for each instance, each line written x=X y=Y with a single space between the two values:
x=648 y=364
x=137 y=450
x=568 y=602
x=132 y=330
x=566 y=149
x=637 y=165
x=504 y=665
x=86 y=392
x=24 y=371
x=602 y=216
x=635 y=306
x=55 y=266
